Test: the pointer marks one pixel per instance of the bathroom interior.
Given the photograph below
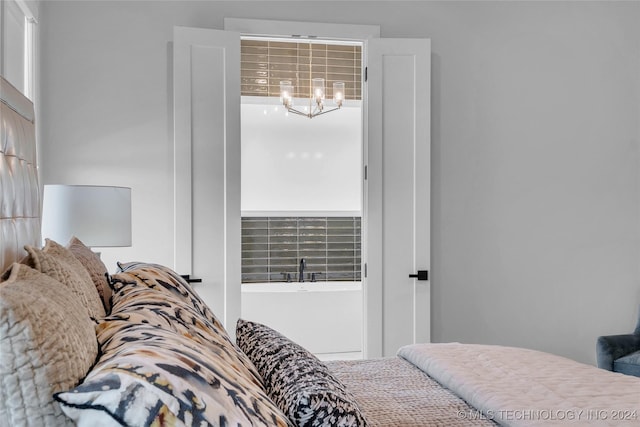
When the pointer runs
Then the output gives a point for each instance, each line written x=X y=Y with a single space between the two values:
x=302 y=194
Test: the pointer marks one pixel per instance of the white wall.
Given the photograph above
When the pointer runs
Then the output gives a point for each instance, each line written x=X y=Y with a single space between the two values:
x=293 y=165
x=535 y=147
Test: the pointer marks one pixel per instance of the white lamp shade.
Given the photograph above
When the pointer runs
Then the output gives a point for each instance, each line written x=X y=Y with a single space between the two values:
x=97 y=215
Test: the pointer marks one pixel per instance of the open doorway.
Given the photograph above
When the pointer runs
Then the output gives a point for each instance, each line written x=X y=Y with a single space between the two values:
x=207 y=157
x=302 y=194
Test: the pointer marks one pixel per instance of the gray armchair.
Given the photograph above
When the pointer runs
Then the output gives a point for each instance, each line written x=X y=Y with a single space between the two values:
x=620 y=353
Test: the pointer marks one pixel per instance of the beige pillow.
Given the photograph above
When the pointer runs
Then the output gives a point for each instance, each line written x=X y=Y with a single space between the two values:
x=58 y=262
x=95 y=267
x=48 y=345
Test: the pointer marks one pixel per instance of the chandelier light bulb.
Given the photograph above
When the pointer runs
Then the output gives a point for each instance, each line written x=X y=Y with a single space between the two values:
x=338 y=93
x=318 y=89
x=286 y=93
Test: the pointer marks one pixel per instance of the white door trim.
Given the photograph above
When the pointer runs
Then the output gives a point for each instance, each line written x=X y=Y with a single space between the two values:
x=301 y=29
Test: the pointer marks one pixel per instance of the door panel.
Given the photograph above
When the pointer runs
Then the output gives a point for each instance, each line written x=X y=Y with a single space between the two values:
x=399 y=194
x=207 y=165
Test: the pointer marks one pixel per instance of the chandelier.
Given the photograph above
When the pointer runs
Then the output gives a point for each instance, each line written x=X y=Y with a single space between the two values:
x=316 y=94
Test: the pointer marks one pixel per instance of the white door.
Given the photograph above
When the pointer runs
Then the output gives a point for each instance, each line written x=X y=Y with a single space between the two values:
x=398 y=194
x=207 y=165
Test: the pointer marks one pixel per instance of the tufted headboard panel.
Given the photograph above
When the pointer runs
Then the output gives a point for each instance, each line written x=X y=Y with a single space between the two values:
x=19 y=188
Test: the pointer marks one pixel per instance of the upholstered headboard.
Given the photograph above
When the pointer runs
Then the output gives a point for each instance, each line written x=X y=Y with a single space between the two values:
x=19 y=188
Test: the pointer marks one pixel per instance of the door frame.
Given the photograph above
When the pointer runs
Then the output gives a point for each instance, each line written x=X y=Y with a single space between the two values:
x=371 y=289
x=373 y=162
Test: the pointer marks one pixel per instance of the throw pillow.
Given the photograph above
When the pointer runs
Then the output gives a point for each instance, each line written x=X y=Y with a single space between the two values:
x=172 y=282
x=153 y=372
x=95 y=267
x=299 y=383
x=138 y=298
x=48 y=345
x=58 y=262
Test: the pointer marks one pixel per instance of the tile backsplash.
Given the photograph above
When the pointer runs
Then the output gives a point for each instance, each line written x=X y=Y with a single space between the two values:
x=264 y=63
x=272 y=248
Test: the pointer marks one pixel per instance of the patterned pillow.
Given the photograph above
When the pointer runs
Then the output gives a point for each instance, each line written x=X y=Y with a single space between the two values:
x=172 y=282
x=95 y=267
x=296 y=380
x=138 y=299
x=161 y=365
x=58 y=262
x=48 y=345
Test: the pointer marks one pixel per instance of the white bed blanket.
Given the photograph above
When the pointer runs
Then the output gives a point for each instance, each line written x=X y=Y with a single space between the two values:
x=521 y=387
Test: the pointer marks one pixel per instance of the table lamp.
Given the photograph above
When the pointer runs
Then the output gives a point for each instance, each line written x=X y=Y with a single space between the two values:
x=100 y=216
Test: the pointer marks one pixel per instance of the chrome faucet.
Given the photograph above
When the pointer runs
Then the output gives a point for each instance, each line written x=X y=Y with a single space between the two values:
x=301 y=271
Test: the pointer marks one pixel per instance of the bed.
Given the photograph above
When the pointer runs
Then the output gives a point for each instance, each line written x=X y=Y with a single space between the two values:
x=80 y=346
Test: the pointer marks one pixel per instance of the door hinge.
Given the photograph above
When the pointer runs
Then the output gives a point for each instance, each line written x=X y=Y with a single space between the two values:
x=365 y=270
x=365 y=73
x=366 y=172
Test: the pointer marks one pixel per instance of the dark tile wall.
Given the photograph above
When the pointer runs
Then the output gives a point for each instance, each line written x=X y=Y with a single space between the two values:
x=273 y=246
x=265 y=63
